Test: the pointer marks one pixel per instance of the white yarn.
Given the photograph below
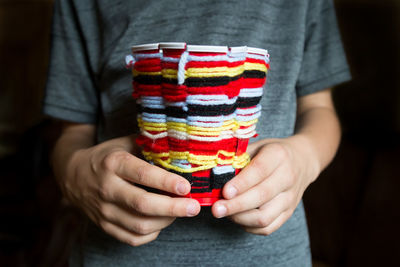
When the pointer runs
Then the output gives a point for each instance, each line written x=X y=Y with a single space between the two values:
x=181 y=67
x=247 y=111
x=154 y=136
x=152 y=99
x=170 y=59
x=129 y=61
x=223 y=169
x=174 y=119
x=248 y=117
x=206 y=100
x=177 y=134
x=143 y=55
x=184 y=164
x=261 y=57
x=251 y=92
x=245 y=130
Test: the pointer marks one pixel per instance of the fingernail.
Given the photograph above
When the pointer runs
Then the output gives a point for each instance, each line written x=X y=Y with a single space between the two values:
x=181 y=188
x=191 y=209
x=231 y=192
x=221 y=211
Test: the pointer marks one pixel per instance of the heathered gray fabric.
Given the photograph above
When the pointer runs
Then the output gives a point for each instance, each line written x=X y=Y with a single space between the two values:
x=88 y=84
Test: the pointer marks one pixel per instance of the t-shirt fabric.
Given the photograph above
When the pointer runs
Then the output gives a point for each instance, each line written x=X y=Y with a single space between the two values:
x=88 y=83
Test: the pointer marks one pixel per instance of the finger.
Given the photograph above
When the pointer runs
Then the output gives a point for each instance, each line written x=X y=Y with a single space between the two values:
x=127 y=143
x=260 y=167
x=134 y=222
x=272 y=227
x=263 y=216
x=152 y=204
x=127 y=237
x=253 y=198
x=139 y=171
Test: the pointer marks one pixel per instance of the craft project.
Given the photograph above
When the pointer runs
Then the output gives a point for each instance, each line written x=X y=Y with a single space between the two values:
x=198 y=108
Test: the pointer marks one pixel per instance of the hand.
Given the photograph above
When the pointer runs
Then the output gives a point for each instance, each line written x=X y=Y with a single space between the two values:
x=101 y=181
x=265 y=194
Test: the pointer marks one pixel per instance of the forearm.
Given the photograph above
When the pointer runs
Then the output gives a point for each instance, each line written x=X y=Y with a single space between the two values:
x=317 y=135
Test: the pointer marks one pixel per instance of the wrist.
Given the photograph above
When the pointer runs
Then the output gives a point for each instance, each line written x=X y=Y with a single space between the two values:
x=308 y=156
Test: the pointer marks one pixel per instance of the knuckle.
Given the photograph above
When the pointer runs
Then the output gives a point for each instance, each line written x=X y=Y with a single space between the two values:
x=258 y=163
x=142 y=204
x=155 y=235
x=167 y=180
x=239 y=184
x=233 y=206
x=105 y=225
x=109 y=162
x=105 y=211
x=260 y=195
x=139 y=241
x=134 y=242
x=263 y=221
x=265 y=192
x=266 y=232
x=175 y=210
x=114 y=159
x=104 y=191
x=142 y=173
x=142 y=228
x=279 y=151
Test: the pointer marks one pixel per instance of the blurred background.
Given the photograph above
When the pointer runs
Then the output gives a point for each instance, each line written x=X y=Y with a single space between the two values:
x=352 y=209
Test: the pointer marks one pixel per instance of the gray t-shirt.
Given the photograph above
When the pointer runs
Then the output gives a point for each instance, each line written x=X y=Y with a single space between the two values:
x=88 y=83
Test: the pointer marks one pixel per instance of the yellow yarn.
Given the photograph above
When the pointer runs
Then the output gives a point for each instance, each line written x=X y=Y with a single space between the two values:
x=209 y=131
x=206 y=161
x=246 y=123
x=152 y=126
x=255 y=66
x=170 y=73
x=167 y=165
x=214 y=72
x=152 y=73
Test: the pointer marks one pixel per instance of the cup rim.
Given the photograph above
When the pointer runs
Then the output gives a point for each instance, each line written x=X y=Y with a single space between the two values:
x=238 y=49
x=144 y=47
x=172 y=45
x=207 y=48
x=255 y=50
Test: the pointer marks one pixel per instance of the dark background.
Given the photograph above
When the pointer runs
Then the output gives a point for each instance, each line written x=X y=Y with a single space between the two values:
x=352 y=209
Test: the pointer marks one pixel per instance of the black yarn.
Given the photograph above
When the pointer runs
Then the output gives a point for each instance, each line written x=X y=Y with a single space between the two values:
x=148 y=79
x=219 y=180
x=254 y=74
x=246 y=102
x=176 y=112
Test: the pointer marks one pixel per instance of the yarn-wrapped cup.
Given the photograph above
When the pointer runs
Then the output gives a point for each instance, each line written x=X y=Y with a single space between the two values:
x=198 y=108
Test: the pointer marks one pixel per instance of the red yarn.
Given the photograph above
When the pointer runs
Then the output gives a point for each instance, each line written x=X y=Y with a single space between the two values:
x=212 y=64
x=232 y=89
x=176 y=53
x=169 y=65
x=254 y=60
x=254 y=82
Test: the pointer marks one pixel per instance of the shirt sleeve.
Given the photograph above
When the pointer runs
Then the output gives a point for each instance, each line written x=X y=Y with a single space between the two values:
x=70 y=91
x=324 y=63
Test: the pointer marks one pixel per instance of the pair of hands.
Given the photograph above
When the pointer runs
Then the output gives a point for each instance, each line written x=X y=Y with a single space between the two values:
x=101 y=181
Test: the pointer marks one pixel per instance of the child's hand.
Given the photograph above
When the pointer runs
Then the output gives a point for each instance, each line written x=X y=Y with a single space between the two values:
x=101 y=181
x=265 y=194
